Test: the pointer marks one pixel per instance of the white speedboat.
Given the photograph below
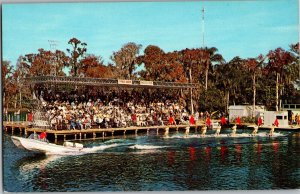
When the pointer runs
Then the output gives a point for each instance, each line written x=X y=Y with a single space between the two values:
x=33 y=143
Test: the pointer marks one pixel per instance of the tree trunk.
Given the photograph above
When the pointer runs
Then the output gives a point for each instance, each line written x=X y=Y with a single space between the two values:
x=277 y=87
x=227 y=101
x=254 y=95
x=20 y=100
x=190 y=73
x=192 y=108
x=206 y=78
x=281 y=93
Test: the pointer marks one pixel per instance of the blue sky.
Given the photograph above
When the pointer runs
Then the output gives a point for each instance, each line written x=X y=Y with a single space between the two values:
x=236 y=28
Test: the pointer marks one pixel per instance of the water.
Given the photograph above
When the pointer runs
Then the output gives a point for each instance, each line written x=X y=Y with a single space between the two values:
x=155 y=163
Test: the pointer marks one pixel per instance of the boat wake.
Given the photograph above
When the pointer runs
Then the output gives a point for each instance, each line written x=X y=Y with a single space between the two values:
x=242 y=135
x=146 y=147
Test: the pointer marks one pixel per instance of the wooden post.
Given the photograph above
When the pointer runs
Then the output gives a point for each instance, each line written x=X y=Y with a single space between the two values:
x=136 y=132
x=75 y=136
x=112 y=133
x=148 y=131
x=80 y=136
x=177 y=129
x=8 y=117
x=64 y=137
x=12 y=130
x=94 y=135
x=55 y=137
x=157 y=131
x=85 y=136
x=124 y=132
x=25 y=132
x=26 y=117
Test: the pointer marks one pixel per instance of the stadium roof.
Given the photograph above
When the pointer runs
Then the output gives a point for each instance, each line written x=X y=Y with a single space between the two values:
x=103 y=82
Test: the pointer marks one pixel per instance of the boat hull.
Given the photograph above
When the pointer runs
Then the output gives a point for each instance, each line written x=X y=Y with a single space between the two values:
x=42 y=147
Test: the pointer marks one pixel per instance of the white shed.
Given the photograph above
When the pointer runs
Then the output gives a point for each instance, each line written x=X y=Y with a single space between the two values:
x=270 y=116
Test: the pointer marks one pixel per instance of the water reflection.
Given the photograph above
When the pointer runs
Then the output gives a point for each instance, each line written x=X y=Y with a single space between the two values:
x=238 y=153
x=172 y=164
x=171 y=157
x=207 y=153
x=192 y=153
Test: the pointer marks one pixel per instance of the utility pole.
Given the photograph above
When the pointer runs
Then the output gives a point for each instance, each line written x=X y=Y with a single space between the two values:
x=203 y=26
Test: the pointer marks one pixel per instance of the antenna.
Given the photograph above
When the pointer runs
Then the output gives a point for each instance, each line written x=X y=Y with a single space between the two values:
x=53 y=61
x=203 y=26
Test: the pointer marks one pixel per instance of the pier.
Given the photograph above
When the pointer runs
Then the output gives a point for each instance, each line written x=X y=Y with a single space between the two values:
x=109 y=133
x=95 y=133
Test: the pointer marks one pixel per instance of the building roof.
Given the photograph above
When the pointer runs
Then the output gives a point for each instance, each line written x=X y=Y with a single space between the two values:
x=101 y=82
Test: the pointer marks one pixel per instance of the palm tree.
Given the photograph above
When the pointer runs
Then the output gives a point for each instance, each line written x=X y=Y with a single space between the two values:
x=278 y=60
x=209 y=60
x=253 y=66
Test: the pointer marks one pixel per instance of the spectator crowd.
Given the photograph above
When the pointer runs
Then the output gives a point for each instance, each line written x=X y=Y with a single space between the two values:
x=110 y=109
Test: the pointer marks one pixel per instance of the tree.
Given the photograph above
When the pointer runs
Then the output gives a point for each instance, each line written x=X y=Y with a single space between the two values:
x=278 y=60
x=125 y=59
x=229 y=77
x=41 y=63
x=253 y=66
x=153 y=62
x=92 y=66
x=9 y=89
x=208 y=61
x=77 y=52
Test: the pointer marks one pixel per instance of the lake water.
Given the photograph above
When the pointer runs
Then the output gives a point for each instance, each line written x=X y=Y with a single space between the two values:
x=154 y=163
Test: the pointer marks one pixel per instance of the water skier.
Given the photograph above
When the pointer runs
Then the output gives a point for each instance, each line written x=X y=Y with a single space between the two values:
x=218 y=130
x=203 y=131
x=233 y=131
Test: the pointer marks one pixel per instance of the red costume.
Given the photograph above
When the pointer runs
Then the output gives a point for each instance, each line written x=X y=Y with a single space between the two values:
x=43 y=135
x=171 y=120
x=276 y=123
x=238 y=120
x=133 y=117
x=192 y=120
x=223 y=120
x=29 y=117
x=208 y=122
x=259 y=122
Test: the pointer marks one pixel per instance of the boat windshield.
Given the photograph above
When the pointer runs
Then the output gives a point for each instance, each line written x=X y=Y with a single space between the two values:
x=37 y=137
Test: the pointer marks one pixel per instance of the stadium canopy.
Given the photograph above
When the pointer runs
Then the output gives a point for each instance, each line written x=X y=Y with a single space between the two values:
x=102 y=82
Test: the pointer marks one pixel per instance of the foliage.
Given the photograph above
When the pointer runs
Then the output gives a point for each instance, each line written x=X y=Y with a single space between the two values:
x=125 y=59
x=238 y=81
x=77 y=51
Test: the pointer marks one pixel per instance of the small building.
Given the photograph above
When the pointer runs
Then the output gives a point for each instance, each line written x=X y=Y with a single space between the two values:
x=244 y=111
x=269 y=117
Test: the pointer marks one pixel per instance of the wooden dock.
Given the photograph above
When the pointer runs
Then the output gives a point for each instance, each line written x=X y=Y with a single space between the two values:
x=105 y=133
x=94 y=133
